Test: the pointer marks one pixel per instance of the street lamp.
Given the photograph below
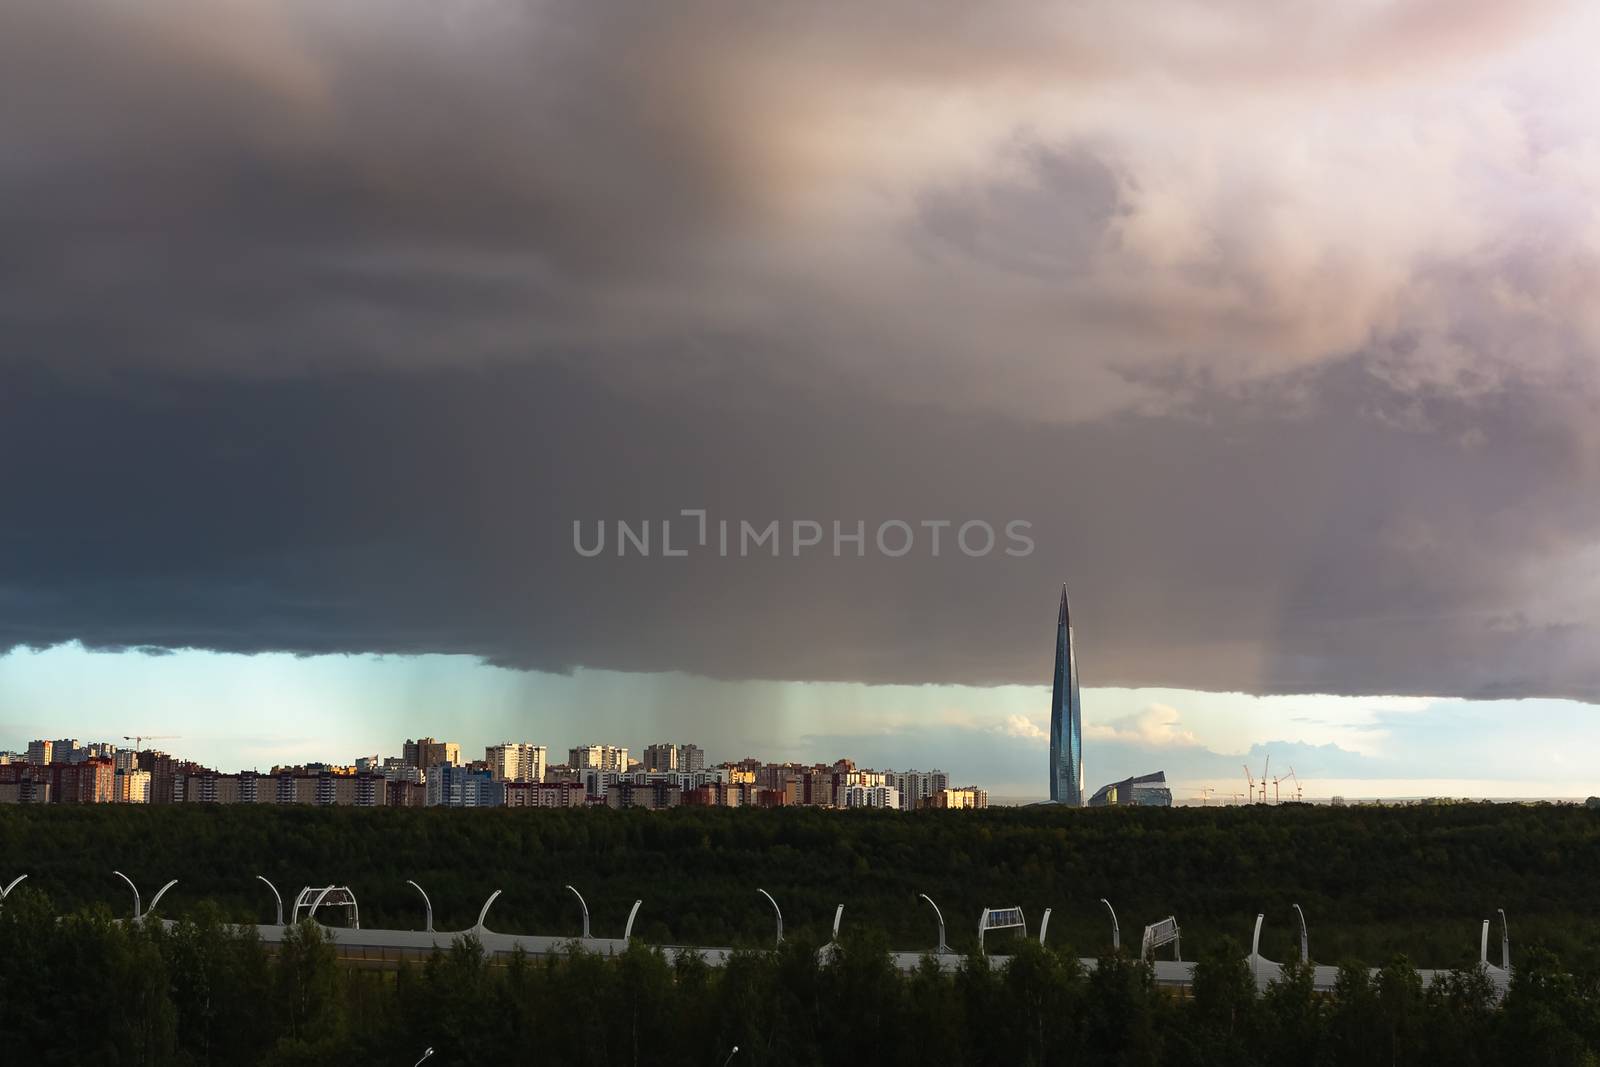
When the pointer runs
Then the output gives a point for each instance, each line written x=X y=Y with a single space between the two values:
x=276 y=895
x=943 y=948
x=585 y=908
x=1116 y=931
x=484 y=914
x=1255 y=951
x=133 y=887
x=734 y=1051
x=10 y=887
x=425 y=1054
x=1305 y=940
x=139 y=915
x=779 y=911
x=425 y=901
x=157 y=898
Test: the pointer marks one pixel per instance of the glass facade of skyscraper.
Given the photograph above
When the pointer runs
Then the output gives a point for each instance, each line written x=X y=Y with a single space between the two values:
x=1066 y=717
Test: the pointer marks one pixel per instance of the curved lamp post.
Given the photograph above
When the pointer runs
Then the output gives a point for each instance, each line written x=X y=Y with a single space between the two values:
x=1305 y=940
x=138 y=915
x=157 y=898
x=425 y=903
x=779 y=912
x=1255 y=951
x=10 y=887
x=585 y=907
x=425 y=1054
x=943 y=948
x=135 y=889
x=275 y=895
x=322 y=894
x=1044 y=924
x=484 y=914
x=1505 y=942
x=627 y=932
x=1116 y=930
x=732 y=1052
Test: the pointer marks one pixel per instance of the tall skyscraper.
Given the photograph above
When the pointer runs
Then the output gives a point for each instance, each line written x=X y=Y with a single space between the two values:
x=1066 y=718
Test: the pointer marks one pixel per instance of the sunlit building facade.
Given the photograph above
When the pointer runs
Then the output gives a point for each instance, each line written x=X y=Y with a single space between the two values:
x=1145 y=791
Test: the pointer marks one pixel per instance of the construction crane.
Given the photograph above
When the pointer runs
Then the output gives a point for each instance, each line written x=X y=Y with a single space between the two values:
x=1250 y=784
x=1237 y=797
x=1265 y=767
x=1290 y=777
x=1205 y=796
x=139 y=739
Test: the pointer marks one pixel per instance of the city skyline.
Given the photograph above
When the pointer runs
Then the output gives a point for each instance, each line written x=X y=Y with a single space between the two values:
x=511 y=760
x=303 y=708
x=431 y=772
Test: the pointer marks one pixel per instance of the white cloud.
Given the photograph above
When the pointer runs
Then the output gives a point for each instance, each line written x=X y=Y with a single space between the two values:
x=1157 y=726
x=1021 y=726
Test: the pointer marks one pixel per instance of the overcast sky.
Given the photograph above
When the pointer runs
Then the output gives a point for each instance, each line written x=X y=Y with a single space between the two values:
x=321 y=324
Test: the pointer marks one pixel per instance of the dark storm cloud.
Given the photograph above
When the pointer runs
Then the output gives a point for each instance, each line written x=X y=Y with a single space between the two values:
x=432 y=512
x=323 y=323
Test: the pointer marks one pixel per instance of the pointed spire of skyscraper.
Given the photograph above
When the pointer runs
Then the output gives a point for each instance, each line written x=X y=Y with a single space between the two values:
x=1066 y=716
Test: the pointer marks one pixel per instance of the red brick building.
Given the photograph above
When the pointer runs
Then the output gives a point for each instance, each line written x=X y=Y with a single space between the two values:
x=93 y=781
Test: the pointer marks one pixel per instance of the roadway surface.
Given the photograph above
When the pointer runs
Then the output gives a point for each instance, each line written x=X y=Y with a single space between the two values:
x=388 y=948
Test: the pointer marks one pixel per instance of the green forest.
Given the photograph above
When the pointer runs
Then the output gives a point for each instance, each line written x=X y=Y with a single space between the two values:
x=1373 y=882
x=86 y=989
x=1388 y=888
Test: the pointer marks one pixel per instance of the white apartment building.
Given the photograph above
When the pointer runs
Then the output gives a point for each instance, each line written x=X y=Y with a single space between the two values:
x=917 y=788
x=847 y=780
x=398 y=769
x=871 y=796
x=516 y=761
x=660 y=758
x=426 y=753
x=133 y=787
x=598 y=758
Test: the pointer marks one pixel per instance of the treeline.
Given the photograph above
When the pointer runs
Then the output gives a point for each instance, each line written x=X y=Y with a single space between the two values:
x=1373 y=882
x=84 y=988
